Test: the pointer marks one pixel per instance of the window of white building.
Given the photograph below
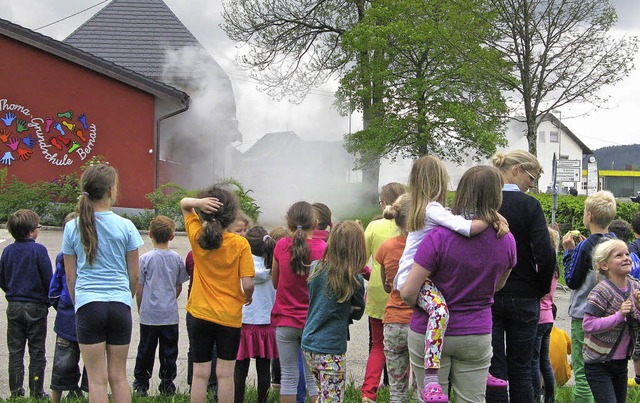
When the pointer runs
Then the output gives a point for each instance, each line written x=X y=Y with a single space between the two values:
x=541 y=137
x=554 y=137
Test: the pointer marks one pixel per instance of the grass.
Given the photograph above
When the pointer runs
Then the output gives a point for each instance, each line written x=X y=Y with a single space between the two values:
x=353 y=395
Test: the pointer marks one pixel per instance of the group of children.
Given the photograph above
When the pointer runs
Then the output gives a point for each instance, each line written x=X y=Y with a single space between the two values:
x=249 y=297
x=286 y=297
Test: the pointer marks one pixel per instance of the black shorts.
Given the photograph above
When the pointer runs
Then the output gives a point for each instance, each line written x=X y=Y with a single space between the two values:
x=98 y=322
x=203 y=335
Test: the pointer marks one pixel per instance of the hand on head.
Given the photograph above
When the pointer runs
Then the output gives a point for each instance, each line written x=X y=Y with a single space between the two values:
x=209 y=205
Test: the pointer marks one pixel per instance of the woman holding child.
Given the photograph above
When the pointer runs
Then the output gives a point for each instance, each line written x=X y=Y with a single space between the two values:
x=467 y=281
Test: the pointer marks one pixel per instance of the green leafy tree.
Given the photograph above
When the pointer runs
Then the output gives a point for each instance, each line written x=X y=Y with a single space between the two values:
x=437 y=88
x=561 y=52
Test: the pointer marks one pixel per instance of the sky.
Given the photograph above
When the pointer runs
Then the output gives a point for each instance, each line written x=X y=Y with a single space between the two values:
x=315 y=118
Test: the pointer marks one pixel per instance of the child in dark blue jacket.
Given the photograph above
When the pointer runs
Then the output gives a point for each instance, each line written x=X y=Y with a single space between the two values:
x=25 y=274
x=66 y=371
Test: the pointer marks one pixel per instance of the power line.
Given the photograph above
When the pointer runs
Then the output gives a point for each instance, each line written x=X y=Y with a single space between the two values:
x=69 y=16
x=249 y=79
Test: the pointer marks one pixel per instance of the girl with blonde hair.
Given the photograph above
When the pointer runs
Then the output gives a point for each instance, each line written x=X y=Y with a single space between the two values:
x=336 y=295
x=610 y=323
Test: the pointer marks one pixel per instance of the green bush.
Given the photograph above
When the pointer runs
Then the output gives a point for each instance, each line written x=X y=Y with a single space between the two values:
x=248 y=204
x=166 y=201
x=18 y=195
x=571 y=210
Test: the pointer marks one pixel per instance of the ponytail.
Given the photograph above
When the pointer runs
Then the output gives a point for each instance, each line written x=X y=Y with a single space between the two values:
x=300 y=253
x=215 y=223
x=300 y=218
x=261 y=244
x=95 y=183
x=87 y=228
x=211 y=235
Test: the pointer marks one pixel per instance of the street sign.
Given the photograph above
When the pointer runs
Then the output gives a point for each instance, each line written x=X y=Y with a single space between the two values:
x=568 y=163
x=568 y=171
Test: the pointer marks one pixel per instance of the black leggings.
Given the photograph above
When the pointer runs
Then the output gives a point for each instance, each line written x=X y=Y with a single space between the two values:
x=263 y=368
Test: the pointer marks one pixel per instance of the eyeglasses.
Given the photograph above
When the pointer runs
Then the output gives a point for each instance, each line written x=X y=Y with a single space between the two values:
x=533 y=178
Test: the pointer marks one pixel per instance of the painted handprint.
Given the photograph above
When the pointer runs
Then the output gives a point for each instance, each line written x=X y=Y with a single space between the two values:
x=4 y=135
x=24 y=154
x=21 y=125
x=7 y=158
x=13 y=143
x=29 y=141
x=8 y=118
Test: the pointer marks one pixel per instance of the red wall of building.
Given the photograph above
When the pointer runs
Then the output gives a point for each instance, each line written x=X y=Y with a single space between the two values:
x=35 y=85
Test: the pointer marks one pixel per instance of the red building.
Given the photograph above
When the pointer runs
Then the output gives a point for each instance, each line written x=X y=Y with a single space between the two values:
x=59 y=106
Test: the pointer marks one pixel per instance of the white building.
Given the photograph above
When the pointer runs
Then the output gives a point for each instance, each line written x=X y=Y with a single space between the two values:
x=553 y=137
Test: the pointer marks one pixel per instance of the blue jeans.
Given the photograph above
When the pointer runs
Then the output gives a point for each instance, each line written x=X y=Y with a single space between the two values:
x=608 y=380
x=540 y=364
x=66 y=372
x=515 y=325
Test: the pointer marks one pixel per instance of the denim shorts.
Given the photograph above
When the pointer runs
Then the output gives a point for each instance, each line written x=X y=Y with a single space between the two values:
x=66 y=372
x=204 y=335
x=99 y=322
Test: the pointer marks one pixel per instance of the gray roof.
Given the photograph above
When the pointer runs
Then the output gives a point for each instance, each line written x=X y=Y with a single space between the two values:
x=89 y=61
x=135 y=34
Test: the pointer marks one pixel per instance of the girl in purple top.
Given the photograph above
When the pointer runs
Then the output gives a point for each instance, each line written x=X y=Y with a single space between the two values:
x=292 y=259
x=467 y=281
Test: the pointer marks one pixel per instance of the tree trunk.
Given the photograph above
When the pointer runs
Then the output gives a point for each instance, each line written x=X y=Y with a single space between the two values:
x=371 y=172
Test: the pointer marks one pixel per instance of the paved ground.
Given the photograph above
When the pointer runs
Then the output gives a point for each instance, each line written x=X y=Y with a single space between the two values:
x=357 y=349
x=52 y=239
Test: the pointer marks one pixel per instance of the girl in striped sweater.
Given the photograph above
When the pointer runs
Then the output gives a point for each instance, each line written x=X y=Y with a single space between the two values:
x=610 y=323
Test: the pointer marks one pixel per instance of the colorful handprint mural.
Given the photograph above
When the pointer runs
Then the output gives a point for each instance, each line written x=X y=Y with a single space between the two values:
x=61 y=139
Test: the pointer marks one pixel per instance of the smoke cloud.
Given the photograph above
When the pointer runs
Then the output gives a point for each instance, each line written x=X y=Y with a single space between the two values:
x=296 y=157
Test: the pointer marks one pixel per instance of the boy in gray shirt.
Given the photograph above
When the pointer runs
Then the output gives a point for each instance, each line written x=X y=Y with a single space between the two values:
x=162 y=273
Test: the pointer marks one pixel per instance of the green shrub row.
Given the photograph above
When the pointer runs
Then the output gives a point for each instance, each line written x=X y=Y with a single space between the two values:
x=53 y=200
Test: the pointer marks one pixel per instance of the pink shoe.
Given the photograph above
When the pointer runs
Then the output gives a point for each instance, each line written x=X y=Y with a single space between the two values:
x=432 y=393
x=493 y=382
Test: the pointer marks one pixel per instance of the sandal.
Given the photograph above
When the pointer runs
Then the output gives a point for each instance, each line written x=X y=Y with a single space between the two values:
x=432 y=393
x=493 y=382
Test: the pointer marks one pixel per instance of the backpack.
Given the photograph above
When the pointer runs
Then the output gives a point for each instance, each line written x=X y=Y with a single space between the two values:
x=635 y=268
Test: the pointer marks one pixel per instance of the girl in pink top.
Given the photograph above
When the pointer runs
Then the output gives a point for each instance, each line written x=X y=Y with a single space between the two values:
x=292 y=258
x=540 y=362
